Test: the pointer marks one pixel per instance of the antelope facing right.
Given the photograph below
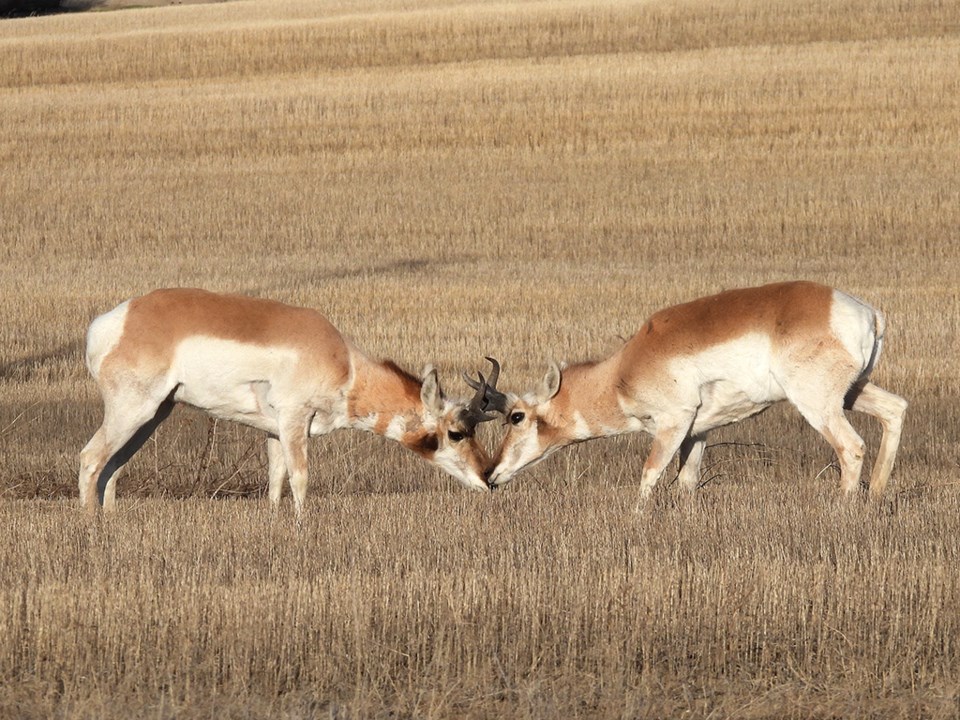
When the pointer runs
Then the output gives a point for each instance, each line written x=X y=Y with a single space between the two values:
x=712 y=362
x=281 y=369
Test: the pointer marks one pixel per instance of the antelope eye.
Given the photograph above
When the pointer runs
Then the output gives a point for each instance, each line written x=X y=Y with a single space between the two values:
x=455 y=436
x=516 y=418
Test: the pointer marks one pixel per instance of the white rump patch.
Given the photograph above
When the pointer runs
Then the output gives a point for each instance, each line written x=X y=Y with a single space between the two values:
x=854 y=324
x=103 y=336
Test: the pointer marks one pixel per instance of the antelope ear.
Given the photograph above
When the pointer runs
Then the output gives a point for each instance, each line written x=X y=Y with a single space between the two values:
x=550 y=384
x=430 y=393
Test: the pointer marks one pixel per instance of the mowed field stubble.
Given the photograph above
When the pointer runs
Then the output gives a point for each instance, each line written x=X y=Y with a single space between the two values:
x=446 y=180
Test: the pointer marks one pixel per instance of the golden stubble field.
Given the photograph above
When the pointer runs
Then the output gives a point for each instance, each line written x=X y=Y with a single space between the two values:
x=447 y=180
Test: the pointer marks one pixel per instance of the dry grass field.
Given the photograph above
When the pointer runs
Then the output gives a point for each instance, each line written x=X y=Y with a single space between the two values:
x=446 y=180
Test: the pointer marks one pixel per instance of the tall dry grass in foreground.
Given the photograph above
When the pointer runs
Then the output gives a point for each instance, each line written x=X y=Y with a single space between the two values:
x=447 y=180
x=716 y=606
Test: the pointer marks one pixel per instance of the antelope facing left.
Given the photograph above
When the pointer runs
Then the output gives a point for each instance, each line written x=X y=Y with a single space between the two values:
x=711 y=362
x=284 y=370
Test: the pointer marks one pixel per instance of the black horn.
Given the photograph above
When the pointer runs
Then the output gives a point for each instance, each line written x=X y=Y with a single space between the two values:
x=476 y=412
x=493 y=399
x=494 y=373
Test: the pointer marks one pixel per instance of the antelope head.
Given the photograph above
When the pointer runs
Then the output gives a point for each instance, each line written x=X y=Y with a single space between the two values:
x=451 y=442
x=530 y=434
x=522 y=445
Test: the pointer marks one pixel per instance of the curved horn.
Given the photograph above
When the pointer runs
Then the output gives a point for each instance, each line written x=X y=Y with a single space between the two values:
x=477 y=402
x=486 y=399
x=491 y=383
x=493 y=398
x=494 y=373
x=475 y=412
x=473 y=383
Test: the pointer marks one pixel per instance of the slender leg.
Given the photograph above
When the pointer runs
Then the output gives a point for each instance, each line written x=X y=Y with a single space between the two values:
x=129 y=421
x=691 y=453
x=849 y=447
x=818 y=391
x=293 y=440
x=889 y=409
x=92 y=458
x=277 y=469
x=831 y=423
x=666 y=442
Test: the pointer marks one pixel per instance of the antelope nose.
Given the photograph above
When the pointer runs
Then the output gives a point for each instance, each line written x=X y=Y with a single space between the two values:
x=486 y=477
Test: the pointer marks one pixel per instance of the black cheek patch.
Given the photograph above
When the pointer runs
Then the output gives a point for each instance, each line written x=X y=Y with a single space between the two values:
x=426 y=444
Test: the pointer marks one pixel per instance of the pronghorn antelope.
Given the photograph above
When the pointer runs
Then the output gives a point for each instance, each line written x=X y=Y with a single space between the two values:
x=711 y=362
x=282 y=369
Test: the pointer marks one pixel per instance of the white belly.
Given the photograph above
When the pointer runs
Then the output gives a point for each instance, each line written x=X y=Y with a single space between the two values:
x=726 y=402
x=735 y=380
x=231 y=380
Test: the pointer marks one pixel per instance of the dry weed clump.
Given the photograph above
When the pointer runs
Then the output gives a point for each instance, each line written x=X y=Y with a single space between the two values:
x=446 y=180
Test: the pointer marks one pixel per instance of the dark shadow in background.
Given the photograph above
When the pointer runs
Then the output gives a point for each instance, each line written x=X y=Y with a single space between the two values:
x=30 y=8
x=21 y=369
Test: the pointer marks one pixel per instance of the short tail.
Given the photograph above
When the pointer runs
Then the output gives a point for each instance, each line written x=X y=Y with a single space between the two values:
x=879 y=326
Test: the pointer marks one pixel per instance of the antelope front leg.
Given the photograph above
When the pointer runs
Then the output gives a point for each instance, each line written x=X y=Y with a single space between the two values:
x=293 y=441
x=276 y=470
x=665 y=445
x=691 y=453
